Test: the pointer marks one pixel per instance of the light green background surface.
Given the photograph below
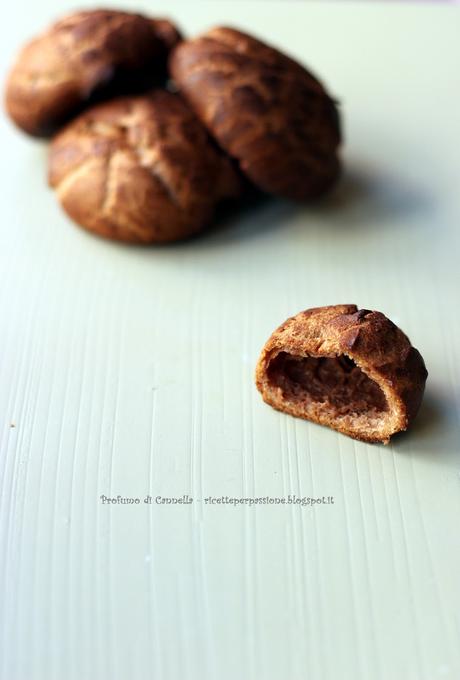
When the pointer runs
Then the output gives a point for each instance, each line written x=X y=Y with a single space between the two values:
x=129 y=370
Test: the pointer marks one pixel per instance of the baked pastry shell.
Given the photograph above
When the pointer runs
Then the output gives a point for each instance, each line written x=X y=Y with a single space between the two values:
x=376 y=353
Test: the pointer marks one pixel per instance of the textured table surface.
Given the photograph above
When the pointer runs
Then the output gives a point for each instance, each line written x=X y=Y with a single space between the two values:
x=130 y=371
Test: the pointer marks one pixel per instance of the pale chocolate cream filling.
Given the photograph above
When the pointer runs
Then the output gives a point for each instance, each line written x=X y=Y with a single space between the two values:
x=335 y=384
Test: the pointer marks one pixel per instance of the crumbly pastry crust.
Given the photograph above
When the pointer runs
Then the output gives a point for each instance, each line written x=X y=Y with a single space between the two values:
x=264 y=109
x=140 y=169
x=352 y=370
x=85 y=55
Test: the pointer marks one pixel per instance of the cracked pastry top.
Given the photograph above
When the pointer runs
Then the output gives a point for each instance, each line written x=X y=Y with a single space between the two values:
x=86 y=56
x=264 y=109
x=140 y=169
x=352 y=370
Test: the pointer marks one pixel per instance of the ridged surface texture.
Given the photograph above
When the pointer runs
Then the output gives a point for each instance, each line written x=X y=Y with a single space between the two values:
x=266 y=110
x=140 y=169
x=347 y=368
x=83 y=55
x=130 y=370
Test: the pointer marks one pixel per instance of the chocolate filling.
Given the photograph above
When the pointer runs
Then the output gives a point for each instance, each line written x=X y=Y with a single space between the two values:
x=337 y=384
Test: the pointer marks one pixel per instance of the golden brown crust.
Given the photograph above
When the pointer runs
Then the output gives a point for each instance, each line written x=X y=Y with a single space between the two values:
x=140 y=169
x=352 y=370
x=85 y=55
x=264 y=109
